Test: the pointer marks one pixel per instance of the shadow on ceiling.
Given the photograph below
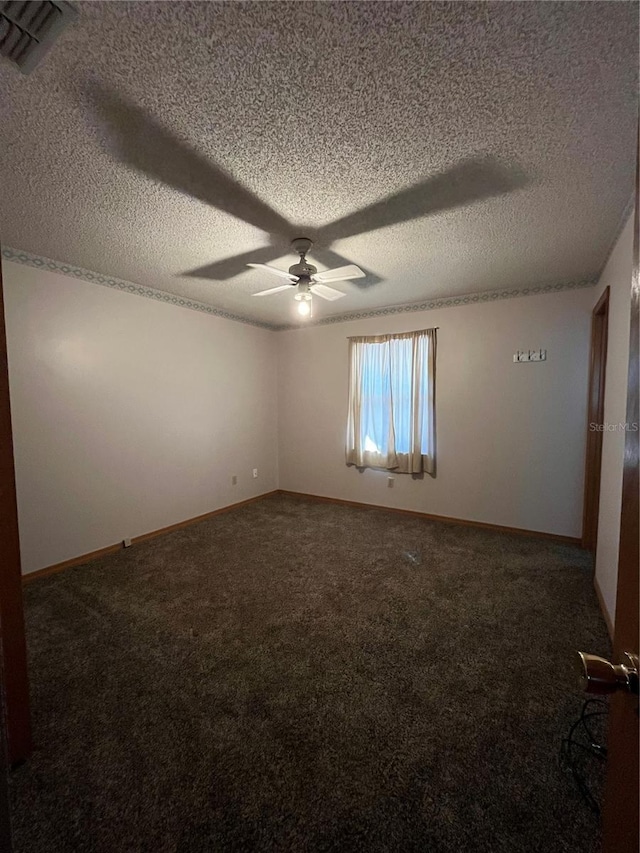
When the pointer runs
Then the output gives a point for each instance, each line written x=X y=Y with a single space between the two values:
x=138 y=140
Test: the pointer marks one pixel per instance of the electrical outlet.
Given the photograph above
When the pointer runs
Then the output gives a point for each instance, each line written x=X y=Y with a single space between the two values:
x=126 y=543
x=255 y=473
x=234 y=479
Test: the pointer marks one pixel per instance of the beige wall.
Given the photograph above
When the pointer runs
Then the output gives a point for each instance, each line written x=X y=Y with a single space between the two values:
x=616 y=276
x=511 y=437
x=129 y=414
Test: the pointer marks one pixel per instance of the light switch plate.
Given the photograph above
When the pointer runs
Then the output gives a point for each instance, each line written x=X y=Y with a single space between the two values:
x=530 y=355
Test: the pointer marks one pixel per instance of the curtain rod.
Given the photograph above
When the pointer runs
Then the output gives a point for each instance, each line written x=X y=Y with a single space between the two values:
x=391 y=334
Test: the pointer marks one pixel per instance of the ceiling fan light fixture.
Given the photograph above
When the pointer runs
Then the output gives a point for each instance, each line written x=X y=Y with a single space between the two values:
x=303 y=297
x=304 y=307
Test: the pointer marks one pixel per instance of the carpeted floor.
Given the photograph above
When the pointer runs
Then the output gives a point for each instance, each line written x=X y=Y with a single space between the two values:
x=300 y=676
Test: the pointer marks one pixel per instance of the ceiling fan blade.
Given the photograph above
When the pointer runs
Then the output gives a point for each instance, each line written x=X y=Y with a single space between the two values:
x=228 y=267
x=273 y=290
x=138 y=140
x=326 y=292
x=339 y=274
x=330 y=259
x=467 y=182
x=275 y=271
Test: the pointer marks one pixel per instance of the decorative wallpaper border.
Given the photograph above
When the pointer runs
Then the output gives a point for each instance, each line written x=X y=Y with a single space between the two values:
x=29 y=259
x=20 y=257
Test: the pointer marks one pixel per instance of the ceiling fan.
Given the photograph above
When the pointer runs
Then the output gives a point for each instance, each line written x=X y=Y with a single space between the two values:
x=308 y=280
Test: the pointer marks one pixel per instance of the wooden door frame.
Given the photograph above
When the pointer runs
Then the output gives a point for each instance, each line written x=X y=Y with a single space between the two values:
x=595 y=421
x=5 y=805
x=621 y=817
x=13 y=652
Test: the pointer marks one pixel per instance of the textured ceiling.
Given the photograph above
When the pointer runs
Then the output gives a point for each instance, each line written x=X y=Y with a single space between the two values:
x=151 y=130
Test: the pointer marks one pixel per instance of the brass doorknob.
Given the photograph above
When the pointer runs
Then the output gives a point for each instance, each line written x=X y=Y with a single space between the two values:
x=598 y=675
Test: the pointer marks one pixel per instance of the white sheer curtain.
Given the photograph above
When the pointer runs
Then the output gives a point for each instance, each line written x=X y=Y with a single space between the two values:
x=391 y=421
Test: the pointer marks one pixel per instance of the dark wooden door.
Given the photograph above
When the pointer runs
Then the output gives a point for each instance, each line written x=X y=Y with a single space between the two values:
x=13 y=666
x=620 y=814
x=597 y=373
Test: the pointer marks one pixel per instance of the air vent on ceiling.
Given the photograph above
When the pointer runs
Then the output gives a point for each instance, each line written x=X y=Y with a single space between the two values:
x=28 y=28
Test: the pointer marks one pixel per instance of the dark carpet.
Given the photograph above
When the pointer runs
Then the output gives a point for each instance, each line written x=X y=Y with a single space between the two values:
x=300 y=676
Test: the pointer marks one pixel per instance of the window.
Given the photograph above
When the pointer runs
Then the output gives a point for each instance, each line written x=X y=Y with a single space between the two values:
x=391 y=402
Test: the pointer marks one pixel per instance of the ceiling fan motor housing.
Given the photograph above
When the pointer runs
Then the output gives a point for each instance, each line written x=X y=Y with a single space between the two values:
x=303 y=269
